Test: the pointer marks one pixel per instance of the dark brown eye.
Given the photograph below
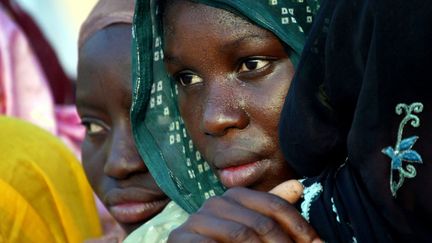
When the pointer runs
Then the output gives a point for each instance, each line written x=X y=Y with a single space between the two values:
x=93 y=127
x=188 y=78
x=253 y=64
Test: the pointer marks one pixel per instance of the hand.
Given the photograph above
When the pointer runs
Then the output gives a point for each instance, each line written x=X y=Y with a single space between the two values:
x=291 y=191
x=244 y=215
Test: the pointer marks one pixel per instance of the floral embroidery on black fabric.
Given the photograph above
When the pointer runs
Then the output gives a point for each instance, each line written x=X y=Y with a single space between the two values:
x=403 y=149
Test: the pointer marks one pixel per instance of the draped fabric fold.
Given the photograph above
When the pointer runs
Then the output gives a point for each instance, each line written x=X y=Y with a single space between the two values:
x=45 y=194
x=24 y=88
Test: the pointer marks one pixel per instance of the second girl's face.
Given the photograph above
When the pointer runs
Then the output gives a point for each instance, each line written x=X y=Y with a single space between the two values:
x=111 y=161
x=233 y=78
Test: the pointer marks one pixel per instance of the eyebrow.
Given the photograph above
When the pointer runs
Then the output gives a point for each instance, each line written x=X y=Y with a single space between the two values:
x=126 y=101
x=223 y=48
x=172 y=59
x=238 y=42
x=84 y=104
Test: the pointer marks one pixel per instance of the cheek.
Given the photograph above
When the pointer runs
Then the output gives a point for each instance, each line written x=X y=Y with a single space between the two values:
x=93 y=164
x=265 y=104
x=190 y=110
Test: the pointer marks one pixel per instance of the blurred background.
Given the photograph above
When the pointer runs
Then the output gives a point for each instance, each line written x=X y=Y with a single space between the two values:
x=60 y=21
x=38 y=69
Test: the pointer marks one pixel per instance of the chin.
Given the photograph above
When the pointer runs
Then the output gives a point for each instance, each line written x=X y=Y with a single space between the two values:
x=129 y=228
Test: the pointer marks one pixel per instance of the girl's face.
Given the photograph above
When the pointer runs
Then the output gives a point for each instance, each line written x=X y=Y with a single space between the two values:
x=111 y=162
x=233 y=78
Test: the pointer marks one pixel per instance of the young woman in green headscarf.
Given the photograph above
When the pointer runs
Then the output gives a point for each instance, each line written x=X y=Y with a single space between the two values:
x=231 y=69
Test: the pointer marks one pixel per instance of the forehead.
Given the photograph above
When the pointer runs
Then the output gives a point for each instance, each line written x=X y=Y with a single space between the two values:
x=198 y=28
x=108 y=45
x=105 y=61
x=183 y=15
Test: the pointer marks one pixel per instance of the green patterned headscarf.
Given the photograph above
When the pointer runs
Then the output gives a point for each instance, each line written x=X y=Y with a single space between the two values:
x=158 y=129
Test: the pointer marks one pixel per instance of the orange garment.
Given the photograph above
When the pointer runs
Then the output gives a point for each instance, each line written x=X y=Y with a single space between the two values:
x=45 y=196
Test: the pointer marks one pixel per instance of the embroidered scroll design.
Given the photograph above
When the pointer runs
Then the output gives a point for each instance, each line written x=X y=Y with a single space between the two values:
x=403 y=149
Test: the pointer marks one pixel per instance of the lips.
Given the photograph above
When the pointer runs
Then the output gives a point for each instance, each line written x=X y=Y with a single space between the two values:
x=240 y=167
x=133 y=212
x=244 y=174
x=133 y=205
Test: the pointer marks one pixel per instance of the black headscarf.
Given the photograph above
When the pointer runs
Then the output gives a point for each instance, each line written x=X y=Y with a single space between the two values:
x=357 y=121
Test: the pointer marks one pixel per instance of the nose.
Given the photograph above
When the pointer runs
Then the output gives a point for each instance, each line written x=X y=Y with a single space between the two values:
x=123 y=159
x=223 y=111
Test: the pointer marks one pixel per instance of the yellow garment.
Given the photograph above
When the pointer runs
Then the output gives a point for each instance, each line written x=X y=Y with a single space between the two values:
x=44 y=194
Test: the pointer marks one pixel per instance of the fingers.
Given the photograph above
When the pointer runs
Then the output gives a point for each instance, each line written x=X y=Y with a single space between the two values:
x=290 y=191
x=265 y=228
x=244 y=215
x=212 y=227
x=178 y=235
x=276 y=208
x=227 y=221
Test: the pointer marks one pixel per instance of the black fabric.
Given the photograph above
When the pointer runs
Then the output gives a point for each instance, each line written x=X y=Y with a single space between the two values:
x=340 y=124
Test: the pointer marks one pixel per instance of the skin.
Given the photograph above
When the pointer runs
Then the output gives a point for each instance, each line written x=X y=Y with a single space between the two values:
x=233 y=78
x=111 y=161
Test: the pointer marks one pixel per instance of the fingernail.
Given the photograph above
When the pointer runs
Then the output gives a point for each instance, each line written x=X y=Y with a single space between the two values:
x=317 y=240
